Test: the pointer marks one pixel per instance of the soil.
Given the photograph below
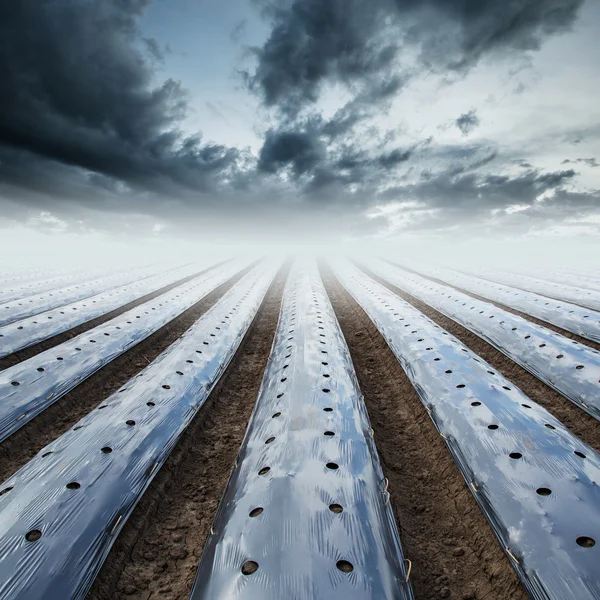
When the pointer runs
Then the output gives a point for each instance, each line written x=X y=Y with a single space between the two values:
x=571 y=416
x=157 y=553
x=454 y=552
x=65 y=412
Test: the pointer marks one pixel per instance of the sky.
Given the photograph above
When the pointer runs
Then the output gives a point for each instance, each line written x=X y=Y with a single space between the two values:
x=434 y=126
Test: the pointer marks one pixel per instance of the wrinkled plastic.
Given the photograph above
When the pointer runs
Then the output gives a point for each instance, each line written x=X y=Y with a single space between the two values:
x=297 y=539
x=567 y=293
x=582 y=321
x=79 y=490
x=537 y=484
x=9 y=293
x=34 y=384
x=571 y=368
x=572 y=278
x=11 y=312
x=26 y=332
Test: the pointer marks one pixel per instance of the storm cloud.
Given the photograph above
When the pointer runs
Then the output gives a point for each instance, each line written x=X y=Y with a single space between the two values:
x=87 y=118
x=78 y=89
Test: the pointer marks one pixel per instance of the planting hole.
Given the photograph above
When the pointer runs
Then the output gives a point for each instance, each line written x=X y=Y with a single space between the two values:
x=549 y=426
x=492 y=426
x=249 y=567
x=33 y=536
x=543 y=491
x=166 y=387
x=150 y=404
x=333 y=466
x=344 y=566
x=585 y=542
x=106 y=449
x=329 y=433
x=264 y=470
x=277 y=414
x=270 y=440
x=516 y=455
x=580 y=454
x=255 y=512
x=336 y=508
x=40 y=369
x=475 y=403
x=73 y=485
x=131 y=423
x=328 y=409
x=326 y=390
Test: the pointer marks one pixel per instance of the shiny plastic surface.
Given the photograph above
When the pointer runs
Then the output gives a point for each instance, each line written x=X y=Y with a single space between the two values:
x=572 y=278
x=11 y=312
x=323 y=531
x=571 y=317
x=571 y=368
x=567 y=293
x=26 y=332
x=537 y=484
x=32 y=385
x=79 y=490
x=18 y=290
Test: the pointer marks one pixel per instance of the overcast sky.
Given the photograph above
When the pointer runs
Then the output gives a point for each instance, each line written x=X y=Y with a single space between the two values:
x=372 y=120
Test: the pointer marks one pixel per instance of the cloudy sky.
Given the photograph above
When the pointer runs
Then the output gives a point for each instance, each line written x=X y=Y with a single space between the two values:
x=301 y=119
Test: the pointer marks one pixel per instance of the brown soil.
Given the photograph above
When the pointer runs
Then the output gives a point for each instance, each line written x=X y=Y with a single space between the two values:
x=568 y=334
x=454 y=552
x=158 y=551
x=579 y=422
x=21 y=355
x=63 y=414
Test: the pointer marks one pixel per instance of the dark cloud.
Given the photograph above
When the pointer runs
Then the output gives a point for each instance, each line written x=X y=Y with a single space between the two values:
x=467 y=122
x=77 y=91
x=363 y=45
x=590 y=162
x=312 y=41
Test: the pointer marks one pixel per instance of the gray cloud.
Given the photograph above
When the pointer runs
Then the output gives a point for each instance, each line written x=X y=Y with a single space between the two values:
x=590 y=162
x=76 y=91
x=467 y=122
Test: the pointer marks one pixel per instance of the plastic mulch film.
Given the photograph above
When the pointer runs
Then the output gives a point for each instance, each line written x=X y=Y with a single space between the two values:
x=16 y=310
x=29 y=387
x=536 y=483
x=306 y=514
x=570 y=368
x=570 y=278
x=568 y=293
x=574 y=318
x=61 y=513
x=32 y=330
x=18 y=290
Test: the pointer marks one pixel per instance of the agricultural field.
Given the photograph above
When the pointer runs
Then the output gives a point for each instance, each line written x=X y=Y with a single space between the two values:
x=302 y=428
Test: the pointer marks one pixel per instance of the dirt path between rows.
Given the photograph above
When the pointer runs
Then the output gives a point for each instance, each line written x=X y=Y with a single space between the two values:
x=21 y=355
x=65 y=412
x=158 y=551
x=579 y=422
x=454 y=552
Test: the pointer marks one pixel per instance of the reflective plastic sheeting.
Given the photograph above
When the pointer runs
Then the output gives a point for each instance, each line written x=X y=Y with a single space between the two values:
x=11 y=312
x=579 y=320
x=26 y=332
x=537 y=484
x=571 y=278
x=572 y=369
x=37 y=286
x=567 y=293
x=305 y=515
x=61 y=513
x=34 y=384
